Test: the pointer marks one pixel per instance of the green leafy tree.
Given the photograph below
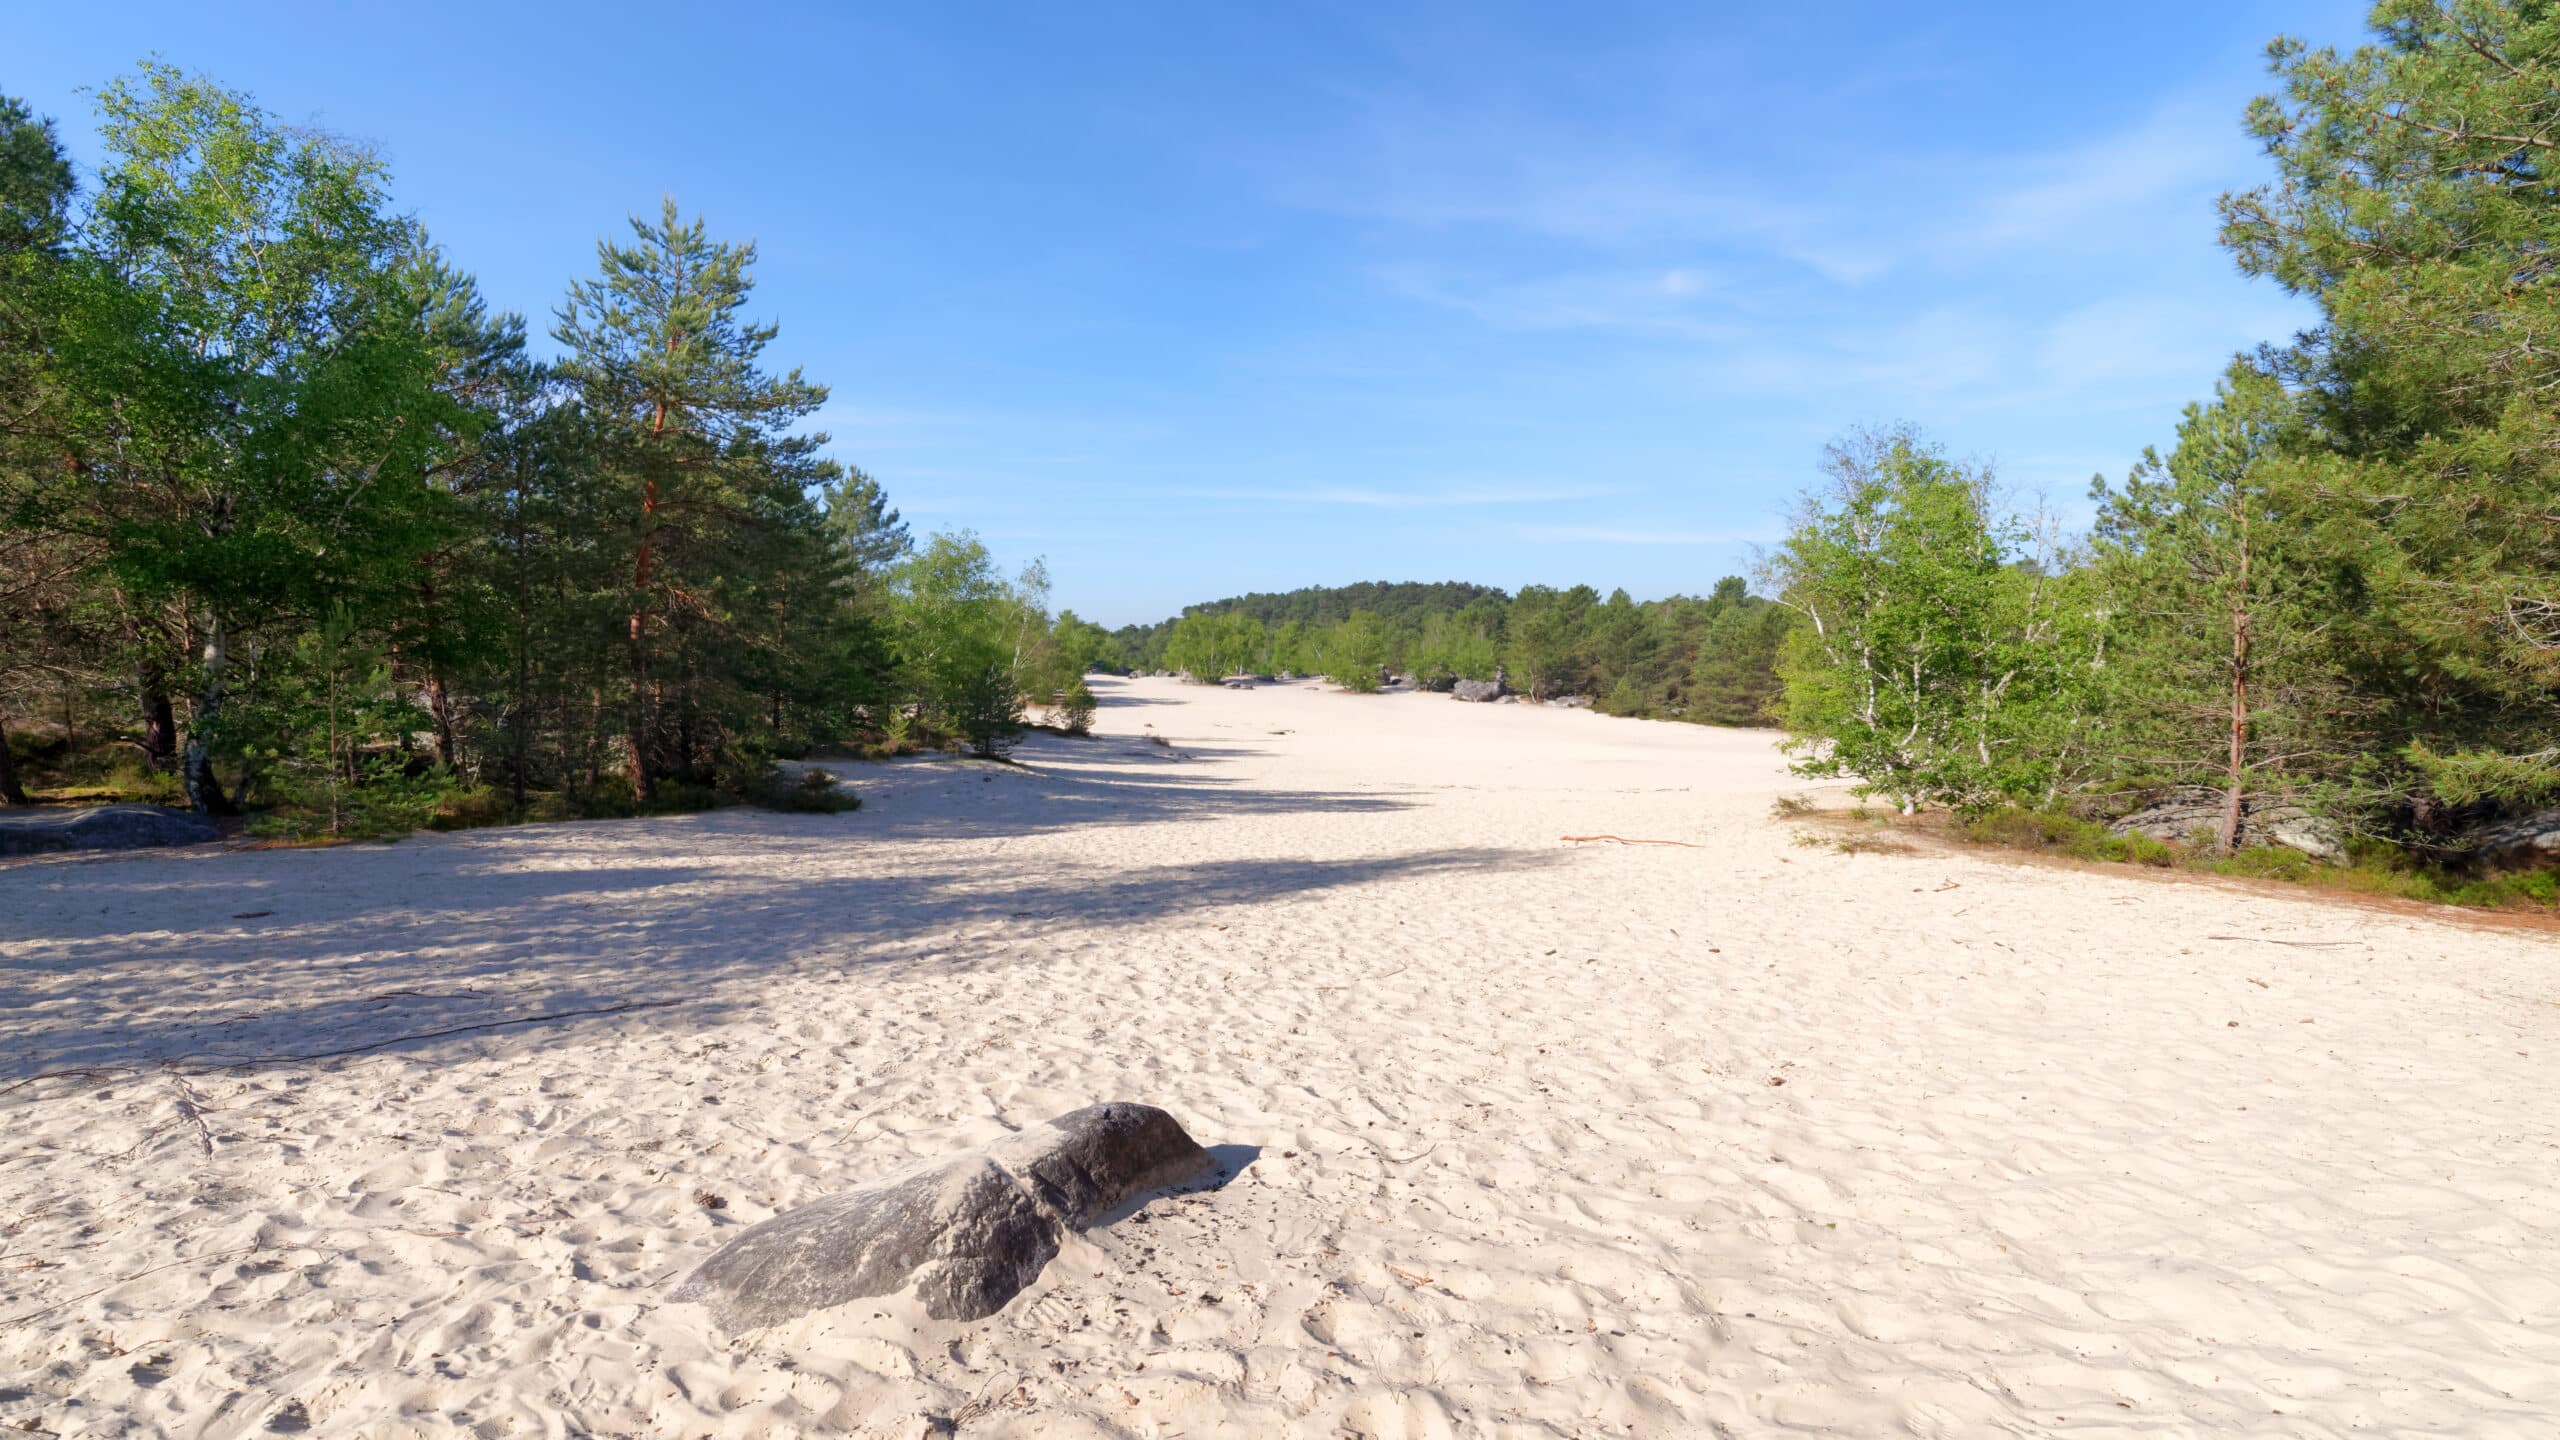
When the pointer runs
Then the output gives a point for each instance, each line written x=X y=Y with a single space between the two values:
x=35 y=204
x=1355 y=652
x=1084 y=647
x=954 y=626
x=1453 y=646
x=1541 y=640
x=326 y=731
x=1293 y=649
x=1214 y=646
x=249 y=395
x=1940 y=664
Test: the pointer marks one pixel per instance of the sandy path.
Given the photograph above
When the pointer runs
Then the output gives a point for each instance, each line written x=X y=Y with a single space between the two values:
x=2048 y=1157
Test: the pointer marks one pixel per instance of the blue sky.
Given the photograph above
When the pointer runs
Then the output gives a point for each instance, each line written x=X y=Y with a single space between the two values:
x=1193 y=299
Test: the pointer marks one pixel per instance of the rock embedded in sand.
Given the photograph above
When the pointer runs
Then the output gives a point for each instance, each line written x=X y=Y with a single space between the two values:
x=1478 y=691
x=968 y=1232
x=99 y=827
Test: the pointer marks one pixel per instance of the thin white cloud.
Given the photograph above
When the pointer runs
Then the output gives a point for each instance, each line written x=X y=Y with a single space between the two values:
x=1636 y=535
x=2181 y=152
x=1403 y=499
x=1674 y=302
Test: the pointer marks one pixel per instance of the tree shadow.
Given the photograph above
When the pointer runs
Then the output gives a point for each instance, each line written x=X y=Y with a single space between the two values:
x=1059 y=783
x=406 y=948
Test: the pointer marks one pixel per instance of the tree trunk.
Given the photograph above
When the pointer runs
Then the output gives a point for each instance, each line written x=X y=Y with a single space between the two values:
x=204 y=791
x=644 y=775
x=10 y=794
x=440 y=710
x=159 y=722
x=519 y=728
x=159 y=719
x=2237 y=774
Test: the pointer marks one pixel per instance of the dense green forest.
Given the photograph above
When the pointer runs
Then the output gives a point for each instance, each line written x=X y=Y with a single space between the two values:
x=1712 y=660
x=2338 y=590
x=292 y=518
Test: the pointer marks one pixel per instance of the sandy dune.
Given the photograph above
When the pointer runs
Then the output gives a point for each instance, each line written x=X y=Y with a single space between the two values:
x=1742 y=1139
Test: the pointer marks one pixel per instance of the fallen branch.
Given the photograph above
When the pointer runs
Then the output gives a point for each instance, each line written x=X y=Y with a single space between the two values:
x=192 y=1105
x=1623 y=840
x=21 y=1319
x=2271 y=940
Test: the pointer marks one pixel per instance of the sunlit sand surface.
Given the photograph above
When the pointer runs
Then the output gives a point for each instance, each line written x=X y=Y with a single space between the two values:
x=1737 y=1137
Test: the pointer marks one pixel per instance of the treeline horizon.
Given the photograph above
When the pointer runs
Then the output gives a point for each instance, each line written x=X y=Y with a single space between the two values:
x=292 y=518
x=1708 y=659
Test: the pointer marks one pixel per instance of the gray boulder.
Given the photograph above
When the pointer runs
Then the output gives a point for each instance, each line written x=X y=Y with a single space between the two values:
x=2295 y=828
x=99 y=827
x=2192 y=815
x=967 y=1232
x=1479 y=691
x=2529 y=842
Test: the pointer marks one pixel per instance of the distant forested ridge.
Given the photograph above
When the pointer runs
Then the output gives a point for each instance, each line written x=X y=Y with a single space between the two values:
x=1712 y=660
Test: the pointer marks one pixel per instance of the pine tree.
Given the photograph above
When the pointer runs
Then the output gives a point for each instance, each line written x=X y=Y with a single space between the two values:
x=684 y=414
x=2212 y=564
x=2414 y=202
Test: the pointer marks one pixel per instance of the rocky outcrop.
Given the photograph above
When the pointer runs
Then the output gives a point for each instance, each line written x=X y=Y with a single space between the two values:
x=99 y=827
x=2295 y=828
x=967 y=1232
x=2529 y=842
x=1479 y=691
x=2193 y=816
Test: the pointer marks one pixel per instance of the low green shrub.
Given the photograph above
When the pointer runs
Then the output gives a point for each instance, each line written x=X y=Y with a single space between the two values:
x=472 y=809
x=2265 y=862
x=1076 y=709
x=814 y=793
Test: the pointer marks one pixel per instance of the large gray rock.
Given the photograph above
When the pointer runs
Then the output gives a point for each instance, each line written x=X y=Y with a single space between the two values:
x=1479 y=691
x=2528 y=842
x=967 y=1232
x=2295 y=828
x=99 y=827
x=2192 y=815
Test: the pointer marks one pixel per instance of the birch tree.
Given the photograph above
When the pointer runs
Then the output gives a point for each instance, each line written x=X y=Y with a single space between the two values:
x=1942 y=657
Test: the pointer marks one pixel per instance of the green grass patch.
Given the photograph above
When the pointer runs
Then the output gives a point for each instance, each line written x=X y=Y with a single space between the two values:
x=2052 y=832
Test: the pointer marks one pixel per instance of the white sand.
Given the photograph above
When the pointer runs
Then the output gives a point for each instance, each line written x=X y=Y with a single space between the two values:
x=1525 y=1167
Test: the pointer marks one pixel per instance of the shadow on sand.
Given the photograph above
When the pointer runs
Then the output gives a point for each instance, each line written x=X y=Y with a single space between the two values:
x=119 y=965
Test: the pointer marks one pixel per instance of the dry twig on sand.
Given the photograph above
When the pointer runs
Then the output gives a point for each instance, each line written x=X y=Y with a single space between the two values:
x=1623 y=840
